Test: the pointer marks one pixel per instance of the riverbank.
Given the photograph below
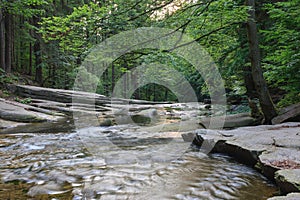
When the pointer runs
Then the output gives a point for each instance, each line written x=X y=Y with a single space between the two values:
x=274 y=150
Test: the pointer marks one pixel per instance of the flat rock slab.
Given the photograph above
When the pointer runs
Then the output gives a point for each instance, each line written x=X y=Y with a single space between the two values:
x=68 y=96
x=268 y=148
x=291 y=196
x=232 y=121
x=11 y=112
x=4 y=124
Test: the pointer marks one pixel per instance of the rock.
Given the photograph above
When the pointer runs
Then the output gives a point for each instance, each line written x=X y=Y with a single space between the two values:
x=279 y=158
x=148 y=113
x=288 y=180
x=268 y=148
x=11 y=112
x=68 y=96
x=291 y=196
x=4 y=124
x=49 y=188
x=207 y=107
x=290 y=113
x=141 y=119
x=188 y=137
x=145 y=116
x=231 y=121
x=106 y=122
x=207 y=101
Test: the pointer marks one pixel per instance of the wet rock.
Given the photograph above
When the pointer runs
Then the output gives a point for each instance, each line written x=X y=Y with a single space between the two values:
x=291 y=196
x=231 y=121
x=288 y=180
x=106 y=122
x=5 y=124
x=188 y=137
x=143 y=117
x=278 y=158
x=268 y=148
x=207 y=101
x=49 y=188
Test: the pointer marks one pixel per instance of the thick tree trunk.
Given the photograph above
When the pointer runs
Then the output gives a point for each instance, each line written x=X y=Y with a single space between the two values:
x=265 y=100
x=2 y=41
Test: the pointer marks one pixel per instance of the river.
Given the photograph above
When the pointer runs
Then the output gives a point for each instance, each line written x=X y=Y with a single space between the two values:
x=120 y=162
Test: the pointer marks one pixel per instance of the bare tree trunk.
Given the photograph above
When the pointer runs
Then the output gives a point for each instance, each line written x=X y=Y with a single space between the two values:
x=2 y=41
x=260 y=84
x=30 y=60
x=37 y=51
x=38 y=62
x=8 y=42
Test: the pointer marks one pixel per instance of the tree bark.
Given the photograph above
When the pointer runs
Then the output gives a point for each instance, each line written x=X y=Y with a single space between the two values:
x=260 y=84
x=2 y=40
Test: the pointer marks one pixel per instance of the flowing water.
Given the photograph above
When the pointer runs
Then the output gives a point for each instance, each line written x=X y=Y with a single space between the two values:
x=120 y=163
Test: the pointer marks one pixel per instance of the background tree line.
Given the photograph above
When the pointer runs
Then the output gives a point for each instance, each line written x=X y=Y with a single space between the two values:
x=254 y=43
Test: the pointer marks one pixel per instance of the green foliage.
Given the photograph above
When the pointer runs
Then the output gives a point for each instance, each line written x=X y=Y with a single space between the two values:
x=69 y=29
x=25 y=8
x=7 y=78
x=24 y=101
x=282 y=39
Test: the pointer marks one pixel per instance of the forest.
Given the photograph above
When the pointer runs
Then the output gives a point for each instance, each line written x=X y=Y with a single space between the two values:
x=255 y=45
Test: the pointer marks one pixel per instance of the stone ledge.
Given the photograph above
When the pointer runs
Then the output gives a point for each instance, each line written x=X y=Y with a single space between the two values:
x=271 y=149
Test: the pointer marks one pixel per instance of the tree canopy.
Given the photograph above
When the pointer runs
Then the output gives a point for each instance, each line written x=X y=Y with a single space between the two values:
x=255 y=44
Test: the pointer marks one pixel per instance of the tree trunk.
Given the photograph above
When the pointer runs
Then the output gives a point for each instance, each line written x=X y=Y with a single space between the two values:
x=30 y=60
x=2 y=41
x=38 y=62
x=37 y=51
x=265 y=100
x=8 y=42
x=112 y=77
